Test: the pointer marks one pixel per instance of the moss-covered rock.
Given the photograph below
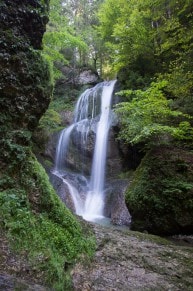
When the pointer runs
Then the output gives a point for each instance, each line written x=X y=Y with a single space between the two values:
x=34 y=223
x=25 y=86
x=160 y=198
x=39 y=225
x=25 y=81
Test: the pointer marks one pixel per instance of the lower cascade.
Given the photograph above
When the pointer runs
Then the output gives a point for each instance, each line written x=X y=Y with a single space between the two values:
x=88 y=135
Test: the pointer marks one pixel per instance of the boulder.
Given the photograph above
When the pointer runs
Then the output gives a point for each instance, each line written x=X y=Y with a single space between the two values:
x=87 y=76
x=160 y=196
x=73 y=80
x=115 y=206
x=62 y=191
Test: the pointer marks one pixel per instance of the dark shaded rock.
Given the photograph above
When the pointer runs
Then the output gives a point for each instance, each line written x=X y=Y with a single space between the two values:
x=119 y=212
x=10 y=283
x=21 y=18
x=160 y=197
x=131 y=155
x=70 y=182
x=115 y=206
x=50 y=148
x=63 y=191
x=25 y=90
x=182 y=240
x=24 y=87
x=114 y=163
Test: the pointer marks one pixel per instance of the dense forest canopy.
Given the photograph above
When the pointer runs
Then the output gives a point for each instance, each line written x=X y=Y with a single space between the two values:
x=149 y=44
x=71 y=36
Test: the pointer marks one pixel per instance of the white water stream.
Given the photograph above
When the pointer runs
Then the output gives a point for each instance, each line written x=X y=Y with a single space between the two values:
x=92 y=112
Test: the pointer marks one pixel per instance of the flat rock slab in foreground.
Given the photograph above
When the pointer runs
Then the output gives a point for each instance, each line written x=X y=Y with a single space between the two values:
x=127 y=260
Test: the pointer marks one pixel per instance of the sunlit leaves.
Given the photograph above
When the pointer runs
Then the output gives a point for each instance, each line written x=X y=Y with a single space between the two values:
x=148 y=117
x=156 y=31
x=60 y=35
x=126 y=28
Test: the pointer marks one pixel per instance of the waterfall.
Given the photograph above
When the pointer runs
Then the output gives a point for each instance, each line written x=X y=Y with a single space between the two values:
x=62 y=148
x=92 y=117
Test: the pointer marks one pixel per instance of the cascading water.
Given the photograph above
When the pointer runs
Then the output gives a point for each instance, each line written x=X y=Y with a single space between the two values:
x=92 y=114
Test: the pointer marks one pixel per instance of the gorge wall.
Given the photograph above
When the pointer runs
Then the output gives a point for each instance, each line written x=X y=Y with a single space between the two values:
x=24 y=85
x=33 y=220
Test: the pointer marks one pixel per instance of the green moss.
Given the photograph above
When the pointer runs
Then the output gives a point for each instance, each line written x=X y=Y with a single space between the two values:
x=36 y=221
x=26 y=83
x=160 y=196
x=62 y=103
x=50 y=120
x=126 y=175
x=48 y=164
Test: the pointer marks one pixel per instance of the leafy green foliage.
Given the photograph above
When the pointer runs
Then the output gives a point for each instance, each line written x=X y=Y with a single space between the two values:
x=50 y=120
x=71 y=37
x=14 y=145
x=184 y=132
x=36 y=221
x=180 y=83
x=61 y=103
x=59 y=36
x=149 y=41
x=147 y=36
x=82 y=17
x=124 y=27
x=148 y=117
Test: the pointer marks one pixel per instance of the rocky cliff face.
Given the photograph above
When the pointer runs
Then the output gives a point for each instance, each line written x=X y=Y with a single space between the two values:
x=75 y=78
x=27 y=201
x=24 y=81
x=24 y=96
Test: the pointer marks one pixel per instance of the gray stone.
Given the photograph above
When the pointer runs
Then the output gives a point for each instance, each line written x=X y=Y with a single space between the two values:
x=115 y=206
x=87 y=77
x=63 y=191
x=67 y=117
x=129 y=261
x=50 y=148
x=11 y=283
